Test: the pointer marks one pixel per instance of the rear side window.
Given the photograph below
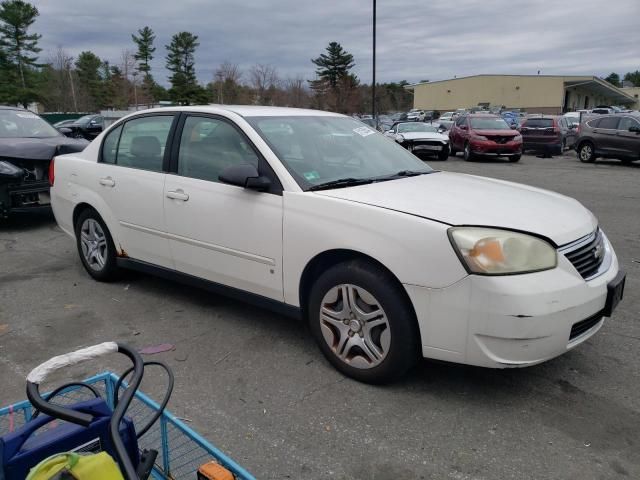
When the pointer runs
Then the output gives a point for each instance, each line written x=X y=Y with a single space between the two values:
x=539 y=123
x=110 y=145
x=143 y=142
x=608 y=123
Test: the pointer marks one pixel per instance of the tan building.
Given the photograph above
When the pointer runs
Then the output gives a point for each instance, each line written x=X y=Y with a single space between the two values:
x=635 y=93
x=532 y=93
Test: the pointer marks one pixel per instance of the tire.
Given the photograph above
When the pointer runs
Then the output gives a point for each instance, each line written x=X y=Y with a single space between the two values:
x=444 y=154
x=467 y=153
x=563 y=146
x=515 y=158
x=371 y=354
x=95 y=247
x=586 y=152
x=452 y=151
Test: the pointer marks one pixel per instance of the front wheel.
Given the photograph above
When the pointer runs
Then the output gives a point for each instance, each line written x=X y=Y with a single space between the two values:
x=95 y=246
x=586 y=153
x=444 y=153
x=363 y=322
x=515 y=158
x=468 y=154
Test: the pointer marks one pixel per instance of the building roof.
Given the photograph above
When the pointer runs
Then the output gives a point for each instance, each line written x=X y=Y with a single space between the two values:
x=600 y=86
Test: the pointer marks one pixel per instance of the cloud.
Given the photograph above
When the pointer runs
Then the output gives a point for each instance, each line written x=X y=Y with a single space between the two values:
x=417 y=39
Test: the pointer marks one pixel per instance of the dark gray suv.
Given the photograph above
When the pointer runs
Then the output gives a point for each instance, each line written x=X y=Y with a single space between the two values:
x=610 y=136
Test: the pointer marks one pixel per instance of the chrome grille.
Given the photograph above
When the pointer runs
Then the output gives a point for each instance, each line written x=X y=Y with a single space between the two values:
x=587 y=257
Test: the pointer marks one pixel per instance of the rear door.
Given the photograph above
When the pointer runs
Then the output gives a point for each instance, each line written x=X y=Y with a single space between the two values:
x=130 y=180
x=223 y=233
x=629 y=142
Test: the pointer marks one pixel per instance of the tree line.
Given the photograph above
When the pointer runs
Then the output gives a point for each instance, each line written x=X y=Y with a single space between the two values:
x=88 y=83
x=632 y=77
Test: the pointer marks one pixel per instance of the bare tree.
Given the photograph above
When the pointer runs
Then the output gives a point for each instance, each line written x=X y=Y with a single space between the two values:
x=296 y=93
x=226 y=85
x=61 y=86
x=264 y=79
x=128 y=68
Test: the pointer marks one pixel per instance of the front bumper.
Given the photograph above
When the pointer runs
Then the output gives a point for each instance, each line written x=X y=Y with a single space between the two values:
x=24 y=197
x=511 y=321
x=491 y=148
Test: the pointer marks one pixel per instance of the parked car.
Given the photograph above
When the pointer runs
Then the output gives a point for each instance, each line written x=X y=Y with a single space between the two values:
x=512 y=119
x=415 y=115
x=27 y=145
x=448 y=116
x=572 y=118
x=547 y=134
x=317 y=216
x=88 y=127
x=64 y=123
x=603 y=111
x=611 y=136
x=485 y=135
x=421 y=139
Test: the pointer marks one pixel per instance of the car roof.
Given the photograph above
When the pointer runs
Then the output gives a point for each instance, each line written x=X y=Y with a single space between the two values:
x=248 y=111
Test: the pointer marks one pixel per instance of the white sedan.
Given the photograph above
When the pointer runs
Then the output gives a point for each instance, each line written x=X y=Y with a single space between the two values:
x=421 y=138
x=320 y=217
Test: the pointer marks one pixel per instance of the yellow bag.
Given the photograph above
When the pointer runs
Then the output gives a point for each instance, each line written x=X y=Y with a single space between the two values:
x=98 y=466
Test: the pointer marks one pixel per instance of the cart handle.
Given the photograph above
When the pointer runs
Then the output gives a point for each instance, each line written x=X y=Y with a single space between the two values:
x=40 y=373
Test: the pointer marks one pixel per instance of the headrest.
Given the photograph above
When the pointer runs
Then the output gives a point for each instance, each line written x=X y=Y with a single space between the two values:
x=148 y=146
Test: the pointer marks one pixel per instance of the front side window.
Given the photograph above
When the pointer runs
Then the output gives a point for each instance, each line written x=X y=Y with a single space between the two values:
x=461 y=121
x=626 y=123
x=209 y=145
x=143 y=142
x=610 y=123
x=320 y=149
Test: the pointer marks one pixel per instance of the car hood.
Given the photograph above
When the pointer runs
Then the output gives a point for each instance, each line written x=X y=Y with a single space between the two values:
x=39 y=148
x=460 y=199
x=502 y=133
x=423 y=135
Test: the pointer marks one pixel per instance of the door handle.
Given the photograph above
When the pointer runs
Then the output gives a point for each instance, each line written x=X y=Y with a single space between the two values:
x=108 y=182
x=178 y=195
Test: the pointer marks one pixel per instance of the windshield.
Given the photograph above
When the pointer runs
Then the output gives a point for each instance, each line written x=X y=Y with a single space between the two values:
x=488 y=123
x=85 y=119
x=322 y=149
x=23 y=124
x=416 y=127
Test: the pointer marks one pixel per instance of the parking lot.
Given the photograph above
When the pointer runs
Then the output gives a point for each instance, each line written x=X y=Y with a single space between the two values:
x=255 y=384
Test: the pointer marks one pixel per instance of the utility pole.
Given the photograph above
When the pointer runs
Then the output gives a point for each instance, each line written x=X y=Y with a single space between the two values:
x=373 y=81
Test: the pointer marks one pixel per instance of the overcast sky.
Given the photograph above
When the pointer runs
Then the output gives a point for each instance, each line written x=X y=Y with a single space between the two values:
x=417 y=39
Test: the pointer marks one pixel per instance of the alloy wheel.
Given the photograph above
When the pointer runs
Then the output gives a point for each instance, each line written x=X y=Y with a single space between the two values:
x=94 y=244
x=586 y=152
x=355 y=326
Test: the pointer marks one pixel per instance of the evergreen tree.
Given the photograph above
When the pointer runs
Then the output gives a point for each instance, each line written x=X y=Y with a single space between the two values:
x=334 y=65
x=19 y=51
x=613 y=79
x=144 y=55
x=88 y=67
x=633 y=77
x=181 y=62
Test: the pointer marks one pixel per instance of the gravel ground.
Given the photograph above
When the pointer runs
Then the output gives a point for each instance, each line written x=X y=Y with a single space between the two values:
x=255 y=384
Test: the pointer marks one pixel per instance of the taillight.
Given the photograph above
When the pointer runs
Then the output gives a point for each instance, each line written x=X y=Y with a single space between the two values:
x=52 y=172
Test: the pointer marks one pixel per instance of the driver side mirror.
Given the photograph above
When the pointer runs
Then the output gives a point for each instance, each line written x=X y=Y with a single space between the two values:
x=65 y=131
x=245 y=176
x=463 y=127
x=634 y=128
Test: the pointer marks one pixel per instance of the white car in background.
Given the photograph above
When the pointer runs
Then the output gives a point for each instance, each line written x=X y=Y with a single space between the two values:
x=448 y=116
x=415 y=115
x=316 y=215
x=420 y=138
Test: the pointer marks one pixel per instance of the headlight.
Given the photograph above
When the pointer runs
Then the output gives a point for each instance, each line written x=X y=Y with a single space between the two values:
x=399 y=138
x=517 y=138
x=490 y=251
x=10 y=170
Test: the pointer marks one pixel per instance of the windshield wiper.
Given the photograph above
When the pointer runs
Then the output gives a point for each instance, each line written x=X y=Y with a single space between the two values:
x=403 y=173
x=341 y=182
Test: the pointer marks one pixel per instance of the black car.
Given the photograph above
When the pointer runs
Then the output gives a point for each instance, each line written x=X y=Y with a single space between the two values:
x=89 y=127
x=27 y=145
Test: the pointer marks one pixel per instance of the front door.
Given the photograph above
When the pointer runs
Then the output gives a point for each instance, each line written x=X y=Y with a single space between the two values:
x=131 y=182
x=628 y=141
x=220 y=232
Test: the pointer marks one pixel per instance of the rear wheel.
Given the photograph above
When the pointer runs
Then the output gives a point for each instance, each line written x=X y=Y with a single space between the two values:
x=363 y=322
x=95 y=246
x=586 y=152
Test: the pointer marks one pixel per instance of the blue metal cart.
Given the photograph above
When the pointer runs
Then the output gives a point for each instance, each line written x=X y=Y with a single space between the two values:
x=180 y=449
